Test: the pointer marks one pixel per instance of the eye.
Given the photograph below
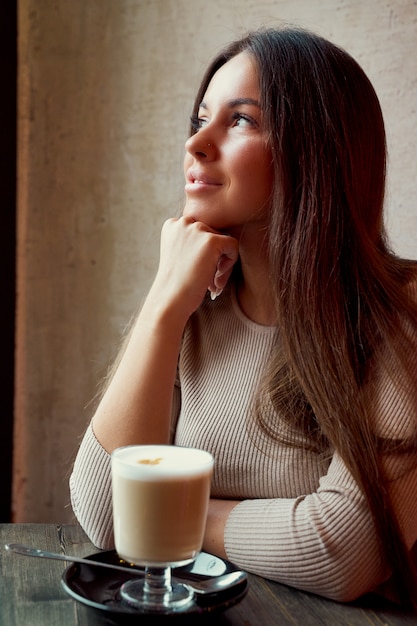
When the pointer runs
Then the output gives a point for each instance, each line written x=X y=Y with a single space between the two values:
x=198 y=122
x=243 y=120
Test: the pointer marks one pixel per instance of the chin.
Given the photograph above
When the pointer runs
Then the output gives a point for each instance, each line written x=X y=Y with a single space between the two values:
x=200 y=215
x=211 y=218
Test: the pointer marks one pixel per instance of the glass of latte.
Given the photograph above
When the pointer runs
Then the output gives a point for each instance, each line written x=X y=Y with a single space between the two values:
x=160 y=501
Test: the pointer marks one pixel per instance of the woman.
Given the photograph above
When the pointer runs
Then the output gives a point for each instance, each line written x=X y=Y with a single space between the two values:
x=300 y=376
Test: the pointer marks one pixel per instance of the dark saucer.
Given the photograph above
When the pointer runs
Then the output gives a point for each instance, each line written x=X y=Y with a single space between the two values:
x=98 y=587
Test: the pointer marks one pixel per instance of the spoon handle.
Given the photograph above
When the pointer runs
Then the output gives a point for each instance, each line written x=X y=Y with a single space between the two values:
x=202 y=587
x=19 y=548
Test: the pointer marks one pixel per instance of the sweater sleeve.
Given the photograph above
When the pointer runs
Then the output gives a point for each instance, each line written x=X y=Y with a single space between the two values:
x=322 y=542
x=90 y=488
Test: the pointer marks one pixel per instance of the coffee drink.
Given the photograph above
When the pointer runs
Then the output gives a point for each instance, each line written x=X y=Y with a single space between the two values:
x=160 y=502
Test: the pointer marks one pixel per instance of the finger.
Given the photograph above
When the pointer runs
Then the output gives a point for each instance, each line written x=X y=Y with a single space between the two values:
x=224 y=264
x=224 y=269
x=220 y=280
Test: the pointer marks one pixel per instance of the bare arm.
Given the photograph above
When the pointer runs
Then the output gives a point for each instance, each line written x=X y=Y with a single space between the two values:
x=218 y=513
x=136 y=406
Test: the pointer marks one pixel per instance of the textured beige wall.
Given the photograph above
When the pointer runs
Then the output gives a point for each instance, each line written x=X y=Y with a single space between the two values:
x=105 y=89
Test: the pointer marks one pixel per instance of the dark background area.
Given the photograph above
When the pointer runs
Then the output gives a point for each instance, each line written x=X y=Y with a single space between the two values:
x=8 y=127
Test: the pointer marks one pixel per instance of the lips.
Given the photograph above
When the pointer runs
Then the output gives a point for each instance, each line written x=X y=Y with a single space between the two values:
x=197 y=177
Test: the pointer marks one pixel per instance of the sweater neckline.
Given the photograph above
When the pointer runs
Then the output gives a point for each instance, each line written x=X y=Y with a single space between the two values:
x=260 y=328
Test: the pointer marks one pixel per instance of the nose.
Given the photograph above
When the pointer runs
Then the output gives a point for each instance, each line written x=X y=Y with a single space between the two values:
x=199 y=146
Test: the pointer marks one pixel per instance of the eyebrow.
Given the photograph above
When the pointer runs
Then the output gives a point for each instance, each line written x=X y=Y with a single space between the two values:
x=236 y=102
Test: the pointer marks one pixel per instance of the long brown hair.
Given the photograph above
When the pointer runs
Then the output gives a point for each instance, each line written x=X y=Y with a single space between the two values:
x=342 y=295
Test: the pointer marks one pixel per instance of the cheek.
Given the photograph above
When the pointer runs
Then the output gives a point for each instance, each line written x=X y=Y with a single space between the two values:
x=242 y=165
x=265 y=169
x=260 y=182
x=256 y=169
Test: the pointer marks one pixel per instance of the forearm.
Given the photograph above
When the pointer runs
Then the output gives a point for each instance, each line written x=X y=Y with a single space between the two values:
x=323 y=542
x=136 y=406
x=219 y=511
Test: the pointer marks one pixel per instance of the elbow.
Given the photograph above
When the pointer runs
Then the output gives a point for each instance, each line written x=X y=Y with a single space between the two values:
x=96 y=521
x=348 y=584
x=101 y=536
x=342 y=576
x=344 y=593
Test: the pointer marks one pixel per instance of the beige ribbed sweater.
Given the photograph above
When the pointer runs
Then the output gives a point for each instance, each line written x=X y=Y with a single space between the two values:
x=302 y=520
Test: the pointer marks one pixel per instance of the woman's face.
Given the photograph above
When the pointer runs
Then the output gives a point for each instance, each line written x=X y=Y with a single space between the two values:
x=228 y=163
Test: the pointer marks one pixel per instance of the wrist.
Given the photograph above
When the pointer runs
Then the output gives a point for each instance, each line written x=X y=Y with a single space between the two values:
x=164 y=311
x=172 y=304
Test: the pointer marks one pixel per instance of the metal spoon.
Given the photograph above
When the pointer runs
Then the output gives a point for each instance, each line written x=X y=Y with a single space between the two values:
x=202 y=587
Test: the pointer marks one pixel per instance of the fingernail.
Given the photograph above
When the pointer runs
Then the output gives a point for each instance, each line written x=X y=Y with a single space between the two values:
x=215 y=294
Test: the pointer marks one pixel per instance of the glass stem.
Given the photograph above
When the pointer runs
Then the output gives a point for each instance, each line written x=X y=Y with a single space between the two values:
x=157 y=581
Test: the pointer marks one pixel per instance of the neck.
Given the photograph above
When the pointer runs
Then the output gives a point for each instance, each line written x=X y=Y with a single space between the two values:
x=256 y=305
x=254 y=290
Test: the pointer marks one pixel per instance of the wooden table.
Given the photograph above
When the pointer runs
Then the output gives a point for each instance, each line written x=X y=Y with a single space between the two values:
x=31 y=593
